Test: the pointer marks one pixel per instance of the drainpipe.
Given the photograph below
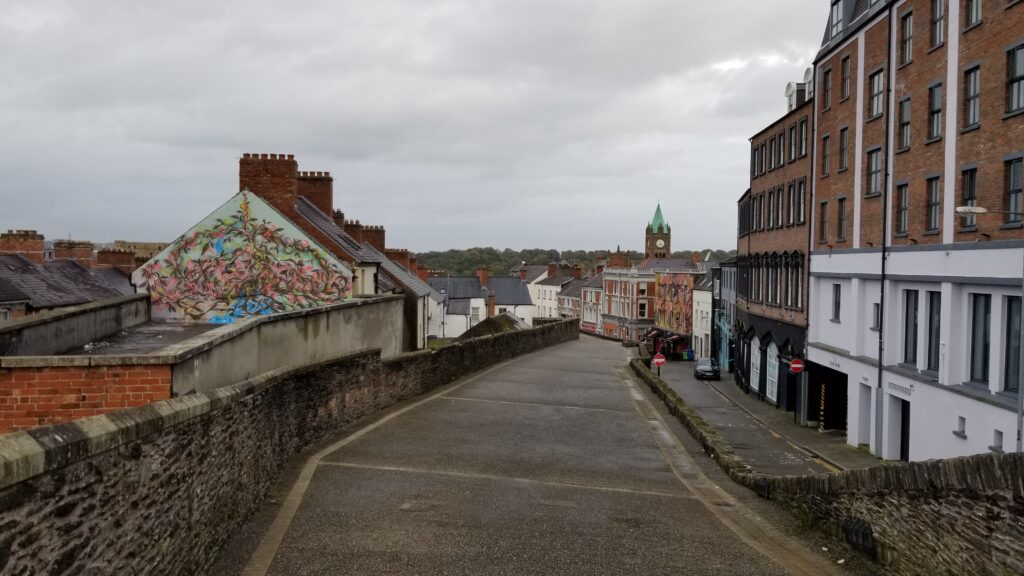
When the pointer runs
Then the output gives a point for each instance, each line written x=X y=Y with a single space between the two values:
x=879 y=396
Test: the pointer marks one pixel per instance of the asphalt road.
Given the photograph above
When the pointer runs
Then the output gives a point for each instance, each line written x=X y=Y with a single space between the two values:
x=554 y=463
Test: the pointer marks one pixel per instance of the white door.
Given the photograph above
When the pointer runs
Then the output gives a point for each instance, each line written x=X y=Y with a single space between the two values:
x=755 y=363
x=773 y=372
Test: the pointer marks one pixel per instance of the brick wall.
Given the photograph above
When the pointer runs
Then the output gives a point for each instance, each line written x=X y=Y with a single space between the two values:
x=78 y=251
x=28 y=243
x=31 y=397
x=318 y=187
x=160 y=488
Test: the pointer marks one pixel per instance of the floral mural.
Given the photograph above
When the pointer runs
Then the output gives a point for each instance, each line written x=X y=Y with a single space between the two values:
x=673 y=304
x=243 y=260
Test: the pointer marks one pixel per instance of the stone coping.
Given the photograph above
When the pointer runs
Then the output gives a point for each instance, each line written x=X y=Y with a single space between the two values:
x=32 y=452
x=181 y=351
x=67 y=312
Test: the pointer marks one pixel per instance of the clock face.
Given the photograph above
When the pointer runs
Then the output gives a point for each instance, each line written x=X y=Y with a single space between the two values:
x=660 y=243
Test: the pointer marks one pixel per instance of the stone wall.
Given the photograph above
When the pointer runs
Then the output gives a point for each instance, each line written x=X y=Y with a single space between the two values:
x=959 y=516
x=158 y=489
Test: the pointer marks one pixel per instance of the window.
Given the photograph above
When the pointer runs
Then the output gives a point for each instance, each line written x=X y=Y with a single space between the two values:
x=826 y=90
x=876 y=318
x=910 y=326
x=972 y=13
x=771 y=211
x=771 y=154
x=778 y=207
x=792 y=143
x=841 y=220
x=1015 y=80
x=1014 y=183
x=934 y=330
x=790 y=204
x=932 y=211
x=938 y=22
x=642 y=312
x=935 y=111
x=823 y=223
x=798 y=300
x=844 y=148
x=803 y=136
x=972 y=91
x=837 y=293
x=836 y=18
x=906 y=39
x=782 y=147
x=874 y=172
x=904 y=123
x=845 y=71
x=5 y=314
x=875 y=102
x=1011 y=371
x=474 y=316
x=764 y=165
x=970 y=195
x=801 y=195
x=824 y=156
x=981 y=311
x=902 y=200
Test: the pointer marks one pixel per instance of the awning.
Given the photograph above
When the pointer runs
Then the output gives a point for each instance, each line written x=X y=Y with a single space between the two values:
x=651 y=332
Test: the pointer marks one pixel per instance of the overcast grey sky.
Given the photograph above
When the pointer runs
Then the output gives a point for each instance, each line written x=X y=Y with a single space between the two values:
x=517 y=123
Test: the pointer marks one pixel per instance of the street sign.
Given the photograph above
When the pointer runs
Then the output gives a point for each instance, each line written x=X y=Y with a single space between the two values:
x=796 y=365
x=659 y=360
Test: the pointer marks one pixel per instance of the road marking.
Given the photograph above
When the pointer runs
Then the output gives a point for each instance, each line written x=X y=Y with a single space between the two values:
x=479 y=476
x=748 y=526
x=539 y=404
x=830 y=467
x=263 y=556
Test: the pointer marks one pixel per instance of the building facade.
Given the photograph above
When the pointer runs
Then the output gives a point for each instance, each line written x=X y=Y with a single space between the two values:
x=702 y=312
x=591 y=304
x=628 y=306
x=658 y=237
x=771 y=268
x=914 y=337
x=725 y=314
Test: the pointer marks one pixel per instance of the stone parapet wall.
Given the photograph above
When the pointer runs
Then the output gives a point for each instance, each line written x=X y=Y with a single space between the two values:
x=159 y=488
x=59 y=331
x=961 y=516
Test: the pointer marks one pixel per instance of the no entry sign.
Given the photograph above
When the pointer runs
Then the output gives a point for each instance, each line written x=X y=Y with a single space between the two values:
x=659 y=360
x=796 y=365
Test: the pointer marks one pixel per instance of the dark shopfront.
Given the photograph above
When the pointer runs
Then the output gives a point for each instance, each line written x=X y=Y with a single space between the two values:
x=827 y=397
x=764 y=350
x=672 y=345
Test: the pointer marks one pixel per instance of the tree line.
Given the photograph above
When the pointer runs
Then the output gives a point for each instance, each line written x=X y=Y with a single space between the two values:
x=465 y=262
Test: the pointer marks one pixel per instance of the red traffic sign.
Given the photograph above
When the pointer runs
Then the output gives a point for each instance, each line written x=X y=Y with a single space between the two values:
x=659 y=359
x=796 y=365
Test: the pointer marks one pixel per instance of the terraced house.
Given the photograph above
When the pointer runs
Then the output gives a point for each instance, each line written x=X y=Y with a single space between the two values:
x=916 y=309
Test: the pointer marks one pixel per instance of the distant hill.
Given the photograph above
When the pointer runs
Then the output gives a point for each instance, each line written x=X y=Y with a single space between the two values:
x=465 y=262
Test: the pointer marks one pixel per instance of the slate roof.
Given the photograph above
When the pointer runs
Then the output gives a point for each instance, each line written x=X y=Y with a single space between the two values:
x=675 y=264
x=10 y=293
x=508 y=291
x=115 y=280
x=401 y=276
x=324 y=223
x=459 y=307
x=704 y=284
x=533 y=271
x=559 y=280
x=574 y=289
x=593 y=282
x=55 y=283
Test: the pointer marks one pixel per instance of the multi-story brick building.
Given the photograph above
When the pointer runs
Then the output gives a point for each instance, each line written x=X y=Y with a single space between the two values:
x=914 y=338
x=771 y=313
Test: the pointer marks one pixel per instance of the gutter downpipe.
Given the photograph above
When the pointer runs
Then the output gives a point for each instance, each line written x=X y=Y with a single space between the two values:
x=879 y=397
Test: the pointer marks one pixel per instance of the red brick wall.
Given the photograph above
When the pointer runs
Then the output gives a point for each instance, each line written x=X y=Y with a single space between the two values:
x=876 y=53
x=123 y=260
x=28 y=243
x=32 y=397
x=986 y=44
x=80 y=252
x=273 y=177
x=374 y=236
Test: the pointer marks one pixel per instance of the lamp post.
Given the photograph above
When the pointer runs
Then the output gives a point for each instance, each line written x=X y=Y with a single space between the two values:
x=969 y=210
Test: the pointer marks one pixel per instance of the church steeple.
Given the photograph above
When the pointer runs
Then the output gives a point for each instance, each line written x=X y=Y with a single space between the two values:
x=659 y=236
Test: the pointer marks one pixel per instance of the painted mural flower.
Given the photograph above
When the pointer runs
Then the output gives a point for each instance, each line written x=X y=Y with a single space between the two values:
x=242 y=267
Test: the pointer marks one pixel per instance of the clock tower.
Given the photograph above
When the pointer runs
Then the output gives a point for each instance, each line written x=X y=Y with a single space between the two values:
x=659 y=237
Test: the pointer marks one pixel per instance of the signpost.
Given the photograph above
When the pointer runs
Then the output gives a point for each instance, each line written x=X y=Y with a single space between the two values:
x=659 y=361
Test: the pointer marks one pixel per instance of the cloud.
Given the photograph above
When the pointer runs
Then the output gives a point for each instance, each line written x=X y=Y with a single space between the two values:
x=453 y=123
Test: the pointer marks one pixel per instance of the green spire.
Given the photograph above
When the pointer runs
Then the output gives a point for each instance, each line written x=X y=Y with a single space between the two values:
x=658 y=222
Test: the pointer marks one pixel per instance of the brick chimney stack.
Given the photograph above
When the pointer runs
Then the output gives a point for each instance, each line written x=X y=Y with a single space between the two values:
x=552 y=270
x=74 y=250
x=490 y=303
x=400 y=257
x=577 y=271
x=27 y=243
x=374 y=236
x=339 y=219
x=423 y=272
x=599 y=268
x=354 y=229
x=695 y=256
x=318 y=187
x=481 y=273
x=522 y=272
x=123 y=260
x=272 y=177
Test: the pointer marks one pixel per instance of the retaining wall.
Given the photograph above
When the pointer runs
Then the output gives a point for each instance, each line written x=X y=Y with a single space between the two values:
x=961 y=516
x=158 y=489
x=56 y=332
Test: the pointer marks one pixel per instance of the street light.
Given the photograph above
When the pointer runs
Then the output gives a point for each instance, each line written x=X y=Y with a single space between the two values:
x=1020 y=345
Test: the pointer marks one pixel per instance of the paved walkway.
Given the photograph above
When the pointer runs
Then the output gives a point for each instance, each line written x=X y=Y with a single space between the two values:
x=554 y=463
x=765 y=437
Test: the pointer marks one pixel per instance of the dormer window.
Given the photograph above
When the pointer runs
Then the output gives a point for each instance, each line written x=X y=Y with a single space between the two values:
x=836 y=18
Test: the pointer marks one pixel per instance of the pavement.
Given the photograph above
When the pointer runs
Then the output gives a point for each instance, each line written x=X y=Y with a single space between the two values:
x=553 y=463
x=765 y=437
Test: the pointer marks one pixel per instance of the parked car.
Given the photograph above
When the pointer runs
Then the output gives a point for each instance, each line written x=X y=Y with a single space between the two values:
x=706 y=368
